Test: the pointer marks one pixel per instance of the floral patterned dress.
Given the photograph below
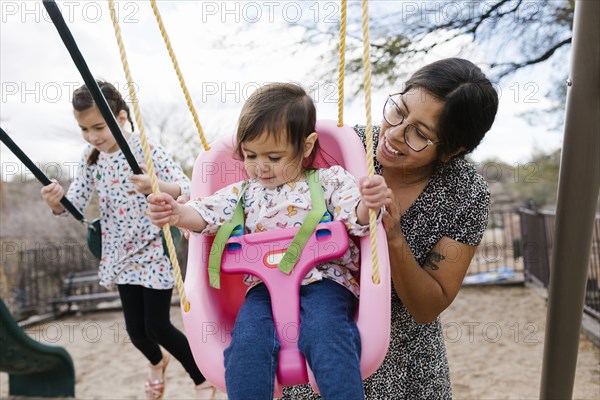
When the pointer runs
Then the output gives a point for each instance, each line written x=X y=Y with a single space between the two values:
x=132 y=251
x=455 y=204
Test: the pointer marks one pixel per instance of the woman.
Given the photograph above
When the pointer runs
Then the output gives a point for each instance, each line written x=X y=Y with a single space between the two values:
x=435 y=222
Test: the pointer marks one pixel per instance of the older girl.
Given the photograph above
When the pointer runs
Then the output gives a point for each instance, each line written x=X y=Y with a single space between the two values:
x=132 y=250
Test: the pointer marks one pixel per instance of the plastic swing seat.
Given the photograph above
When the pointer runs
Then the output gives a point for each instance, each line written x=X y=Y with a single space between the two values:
x=212 y=313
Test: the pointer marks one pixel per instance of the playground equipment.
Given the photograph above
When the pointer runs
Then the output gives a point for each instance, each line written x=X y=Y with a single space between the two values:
x=34 y=369
x=212 y=313
x=579 y=182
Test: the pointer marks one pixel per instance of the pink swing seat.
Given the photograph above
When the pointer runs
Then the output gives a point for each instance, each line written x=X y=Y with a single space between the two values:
x=211 y=317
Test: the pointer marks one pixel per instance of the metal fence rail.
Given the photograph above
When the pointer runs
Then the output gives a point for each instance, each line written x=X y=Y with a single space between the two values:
x=34 y=277
x=501 y=247
x=538 y=232
x=521 y=241
x=55 y=278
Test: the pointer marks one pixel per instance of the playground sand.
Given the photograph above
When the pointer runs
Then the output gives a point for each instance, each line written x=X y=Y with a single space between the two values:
x=495 y=343
x=494 y=337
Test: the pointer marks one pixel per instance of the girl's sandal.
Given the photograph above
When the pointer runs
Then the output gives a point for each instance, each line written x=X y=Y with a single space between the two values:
x=155 y=390
x=205 y=391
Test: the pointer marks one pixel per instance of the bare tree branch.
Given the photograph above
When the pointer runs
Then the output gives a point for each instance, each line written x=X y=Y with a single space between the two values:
x=513 y=66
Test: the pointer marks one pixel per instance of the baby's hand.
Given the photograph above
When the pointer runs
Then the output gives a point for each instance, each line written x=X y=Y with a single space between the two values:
x=182 y=200
x=374 y=191
x=52 y=194
x=162 y=209
x=142 y=182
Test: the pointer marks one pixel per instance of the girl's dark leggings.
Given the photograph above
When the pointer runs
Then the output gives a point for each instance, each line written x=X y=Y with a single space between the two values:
x=147 y=318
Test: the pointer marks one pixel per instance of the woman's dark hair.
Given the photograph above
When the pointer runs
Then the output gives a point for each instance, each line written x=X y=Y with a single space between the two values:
x=470 y=102
x=83 y=100
x=279 y=108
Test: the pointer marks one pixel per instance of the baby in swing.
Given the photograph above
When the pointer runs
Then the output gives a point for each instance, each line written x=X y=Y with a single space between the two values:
x=277 y=142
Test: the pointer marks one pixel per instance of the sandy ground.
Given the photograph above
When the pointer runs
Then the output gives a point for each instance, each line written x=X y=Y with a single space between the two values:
x=494 y=338
x=495 y=343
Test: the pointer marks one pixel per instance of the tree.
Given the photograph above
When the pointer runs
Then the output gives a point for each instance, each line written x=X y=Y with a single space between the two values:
x=536 y=182
x=532 y=183
x=503 y=36
x=173 y=128
x=513 y=34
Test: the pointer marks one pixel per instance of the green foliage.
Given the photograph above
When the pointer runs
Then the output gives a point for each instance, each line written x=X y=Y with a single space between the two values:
x=537 y=180
x=533 y=183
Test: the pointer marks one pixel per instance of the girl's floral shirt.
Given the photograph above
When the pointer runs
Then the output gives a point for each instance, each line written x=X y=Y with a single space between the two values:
x=132 y=250
x=286 y=206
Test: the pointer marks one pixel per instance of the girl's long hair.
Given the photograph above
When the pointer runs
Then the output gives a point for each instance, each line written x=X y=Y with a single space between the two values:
x=83 y=100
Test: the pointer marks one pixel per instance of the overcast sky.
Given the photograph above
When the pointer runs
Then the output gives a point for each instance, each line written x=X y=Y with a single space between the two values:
x=38 y=75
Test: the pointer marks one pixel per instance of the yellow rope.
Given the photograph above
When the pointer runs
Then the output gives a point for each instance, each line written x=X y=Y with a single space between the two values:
x=369 y=133
x=147 y=154
x=186 y=93
x=342 y=65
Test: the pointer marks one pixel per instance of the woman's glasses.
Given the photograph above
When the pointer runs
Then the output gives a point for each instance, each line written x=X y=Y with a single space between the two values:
x=393 y=115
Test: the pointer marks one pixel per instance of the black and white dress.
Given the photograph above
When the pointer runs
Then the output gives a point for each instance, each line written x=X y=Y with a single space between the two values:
x=455 y=204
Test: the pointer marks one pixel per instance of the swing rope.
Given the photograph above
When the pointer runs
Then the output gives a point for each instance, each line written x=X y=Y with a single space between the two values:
x=147 y=154
x=369 y=133
x=186 y=93
x=341 y=72
x=375 y=276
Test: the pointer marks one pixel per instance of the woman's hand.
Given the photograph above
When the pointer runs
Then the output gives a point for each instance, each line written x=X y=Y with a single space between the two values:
x=52 y=194
x=391 y=218
x=162 y=209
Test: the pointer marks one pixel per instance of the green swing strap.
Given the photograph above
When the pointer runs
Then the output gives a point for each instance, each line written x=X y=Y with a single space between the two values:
x=218 y=246
x=292 y=253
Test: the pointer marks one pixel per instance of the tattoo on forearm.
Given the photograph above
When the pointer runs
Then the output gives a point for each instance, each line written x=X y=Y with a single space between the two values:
x=432 y=259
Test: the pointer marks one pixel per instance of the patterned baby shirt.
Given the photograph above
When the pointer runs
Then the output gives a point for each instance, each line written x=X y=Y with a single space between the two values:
x=286 y=206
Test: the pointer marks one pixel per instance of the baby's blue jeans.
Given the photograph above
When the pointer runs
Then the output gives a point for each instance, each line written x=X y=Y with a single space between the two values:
x=329 y=339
